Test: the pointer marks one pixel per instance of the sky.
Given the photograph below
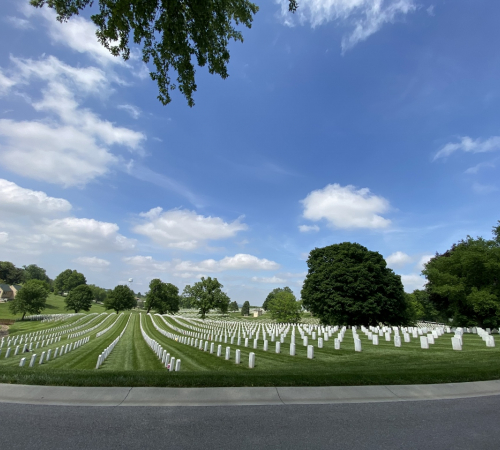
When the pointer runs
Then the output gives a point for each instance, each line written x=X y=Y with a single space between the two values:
x=368 y=121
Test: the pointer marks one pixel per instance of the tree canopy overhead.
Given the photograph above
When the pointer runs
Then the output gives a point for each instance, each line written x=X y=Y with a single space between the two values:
x=463 y=283
x=171 y=33
x=347 y=284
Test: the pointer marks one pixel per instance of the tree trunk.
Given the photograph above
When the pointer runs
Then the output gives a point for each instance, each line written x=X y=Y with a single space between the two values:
x=22 y=318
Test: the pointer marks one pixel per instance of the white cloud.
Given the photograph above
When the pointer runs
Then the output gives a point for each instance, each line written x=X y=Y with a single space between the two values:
x=85 y=79
x=56 y=154
x=85 y=234
x=147 y=263
x=5 y=83
x=92 y=262
x=239 y=261
x=18 y=22
x=366 y=17
x=15 y=199
x=185 y=229
x=4 y=237
x=269 y=280
x=77 y=33
x=479 y=188
x=475 y=169
x=71 y=146
x=398 y=259
x=346 y=207
x=308 y=228
x=412 y=282
x=469 y=145
x=134 y=111
x=245 y=261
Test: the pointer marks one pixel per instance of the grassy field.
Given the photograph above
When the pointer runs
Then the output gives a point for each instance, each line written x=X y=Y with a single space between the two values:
x=55 y=305
x=133 y=363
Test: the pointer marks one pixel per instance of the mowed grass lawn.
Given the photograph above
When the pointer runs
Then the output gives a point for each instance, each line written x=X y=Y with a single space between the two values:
x=133 y=363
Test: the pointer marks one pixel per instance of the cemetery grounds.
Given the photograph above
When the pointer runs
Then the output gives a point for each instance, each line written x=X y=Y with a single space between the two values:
x=138 y=349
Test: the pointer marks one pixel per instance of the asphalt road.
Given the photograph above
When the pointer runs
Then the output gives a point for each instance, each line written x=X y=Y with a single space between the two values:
x=472 y=423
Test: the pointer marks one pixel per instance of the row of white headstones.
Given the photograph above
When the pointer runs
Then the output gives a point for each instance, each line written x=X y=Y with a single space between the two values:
x=50 y=339
x=46 y=356
x=103 y=356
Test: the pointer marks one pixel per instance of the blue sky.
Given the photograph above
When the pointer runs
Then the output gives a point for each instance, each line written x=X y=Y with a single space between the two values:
x=371 y=121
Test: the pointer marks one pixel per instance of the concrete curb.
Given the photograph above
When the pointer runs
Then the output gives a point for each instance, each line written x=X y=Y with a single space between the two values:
x=139 y=396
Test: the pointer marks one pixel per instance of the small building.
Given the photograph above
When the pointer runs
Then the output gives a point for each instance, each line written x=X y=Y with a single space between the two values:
x=257 y=312
x=8 y=292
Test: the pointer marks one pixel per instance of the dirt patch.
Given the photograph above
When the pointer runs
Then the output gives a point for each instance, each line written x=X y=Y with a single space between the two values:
x=4 y=330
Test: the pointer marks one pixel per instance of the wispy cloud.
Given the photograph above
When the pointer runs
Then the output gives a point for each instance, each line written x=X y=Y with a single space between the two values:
x=469 y=145
x=364 y=17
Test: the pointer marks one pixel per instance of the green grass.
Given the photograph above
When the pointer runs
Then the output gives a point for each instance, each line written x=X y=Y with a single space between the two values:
x=133 y=363
x=55 y=305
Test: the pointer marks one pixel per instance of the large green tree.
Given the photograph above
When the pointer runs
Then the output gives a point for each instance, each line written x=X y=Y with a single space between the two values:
x=10 y=274
x=207 y=294
x=463 y=283
x=347 y=284
x=245 y=309
x=285 y=308
x=173 y=34
x=79 y=298
x=98 y=293
x=233 y=306
x=272 y=295
x=121 y=298
x=162 y=297
x=34 y=272
x=31 y=298
x=67 y=280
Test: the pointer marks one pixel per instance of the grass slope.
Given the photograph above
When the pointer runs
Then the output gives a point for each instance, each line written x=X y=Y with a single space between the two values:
x=55 y=305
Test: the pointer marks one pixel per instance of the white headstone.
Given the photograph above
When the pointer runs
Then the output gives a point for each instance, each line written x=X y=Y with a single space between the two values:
x=237 y=358
x=310 y=352
x=397 y=341
x=292 y=349
x=251 y=360
x=456 y=344
x=336 y=344
x=423 y=342
x=357 y=345
x=375 y=339
x=228 y=353
x=278 y=347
